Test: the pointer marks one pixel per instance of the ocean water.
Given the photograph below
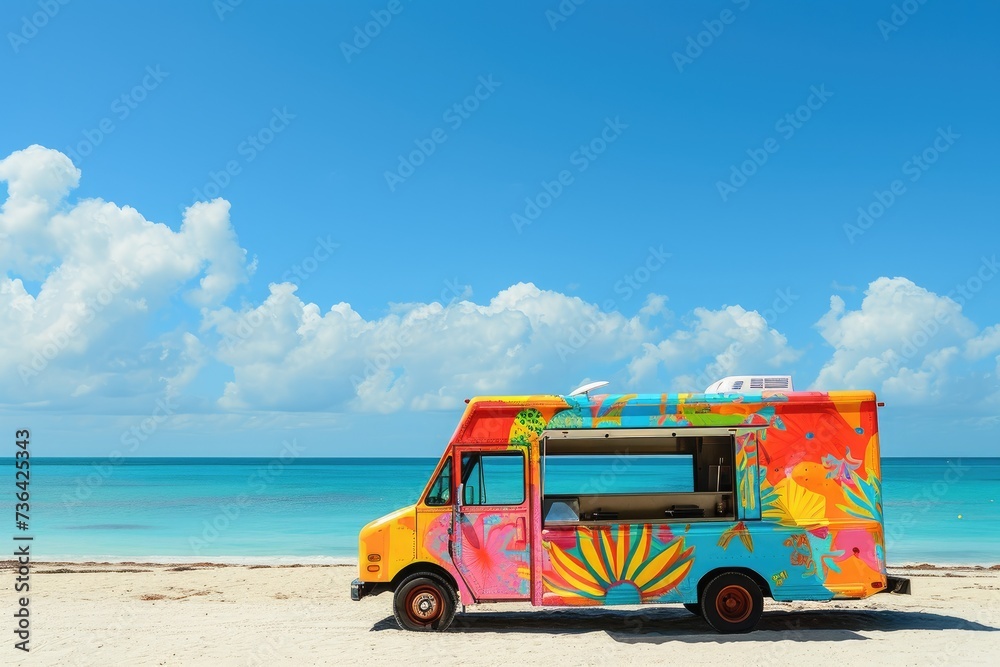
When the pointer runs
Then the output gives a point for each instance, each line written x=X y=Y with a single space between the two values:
x=943 y=511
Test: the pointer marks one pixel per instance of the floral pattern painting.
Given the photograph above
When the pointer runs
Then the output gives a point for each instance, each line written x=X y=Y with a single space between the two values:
x=491 y=555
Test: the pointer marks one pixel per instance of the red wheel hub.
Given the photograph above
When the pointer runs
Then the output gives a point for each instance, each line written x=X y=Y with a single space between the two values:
x=424 y=604
x=734 y=604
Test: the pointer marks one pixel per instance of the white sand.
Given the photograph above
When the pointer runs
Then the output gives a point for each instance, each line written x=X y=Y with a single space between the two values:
x=238 y=615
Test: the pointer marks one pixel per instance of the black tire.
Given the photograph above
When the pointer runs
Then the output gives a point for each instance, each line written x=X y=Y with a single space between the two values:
x=693 y=607
x=425 y=603
x=732 y=602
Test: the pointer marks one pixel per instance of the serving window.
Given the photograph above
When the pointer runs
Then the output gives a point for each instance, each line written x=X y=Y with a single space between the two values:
x=648 y=475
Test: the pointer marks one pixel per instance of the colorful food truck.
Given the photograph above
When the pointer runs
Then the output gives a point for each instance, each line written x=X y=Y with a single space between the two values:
x=749 y=490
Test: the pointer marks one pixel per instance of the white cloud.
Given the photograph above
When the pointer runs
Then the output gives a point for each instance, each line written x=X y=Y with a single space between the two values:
x=985 y=344
x=904 y=341
x=104 y=271
x=84 y=283
x=209 y=236
x=37 y=181
x=287 y=355
x=718 y=343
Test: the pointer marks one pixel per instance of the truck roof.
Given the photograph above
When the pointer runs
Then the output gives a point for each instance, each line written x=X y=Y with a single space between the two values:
x=500 y=419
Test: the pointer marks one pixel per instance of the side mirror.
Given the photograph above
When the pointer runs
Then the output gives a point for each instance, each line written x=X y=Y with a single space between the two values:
x=460 y=495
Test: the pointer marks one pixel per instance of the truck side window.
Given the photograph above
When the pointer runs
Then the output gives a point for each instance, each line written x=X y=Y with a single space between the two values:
x=493 y=479
x=440 y=493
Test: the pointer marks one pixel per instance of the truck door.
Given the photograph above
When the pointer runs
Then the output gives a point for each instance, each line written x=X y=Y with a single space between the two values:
x=490 y=537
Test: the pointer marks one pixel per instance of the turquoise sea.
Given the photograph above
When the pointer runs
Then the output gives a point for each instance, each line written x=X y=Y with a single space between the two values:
x=944 y=511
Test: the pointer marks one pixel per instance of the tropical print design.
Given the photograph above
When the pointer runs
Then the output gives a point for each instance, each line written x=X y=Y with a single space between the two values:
x=623 y=564
x=639 y=411
x=493 y=556
x=807 y=492
x=746 y=471
x=814 y=481
x=739 y=530
x=527 y=428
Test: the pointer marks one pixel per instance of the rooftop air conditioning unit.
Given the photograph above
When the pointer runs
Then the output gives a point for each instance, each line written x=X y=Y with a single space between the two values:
x=750 y=384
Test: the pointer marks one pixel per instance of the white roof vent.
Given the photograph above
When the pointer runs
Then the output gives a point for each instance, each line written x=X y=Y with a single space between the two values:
x=745 y=384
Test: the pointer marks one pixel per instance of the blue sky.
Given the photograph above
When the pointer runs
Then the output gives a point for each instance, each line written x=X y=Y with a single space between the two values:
x=488 y=199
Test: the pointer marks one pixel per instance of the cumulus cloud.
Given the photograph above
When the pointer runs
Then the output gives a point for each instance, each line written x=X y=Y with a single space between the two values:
x=208 y=235
x=985 y=344
x=103 y=270
x=38 y=179
x=728 y=341
x=287 y=354
x=904 y=341
x=84 y=284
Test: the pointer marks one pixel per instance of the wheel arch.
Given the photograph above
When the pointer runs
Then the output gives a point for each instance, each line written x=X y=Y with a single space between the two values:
x=423 y=567
x=765 y=588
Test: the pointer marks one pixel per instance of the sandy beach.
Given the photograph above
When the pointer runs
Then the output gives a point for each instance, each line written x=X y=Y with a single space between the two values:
x=147 y=614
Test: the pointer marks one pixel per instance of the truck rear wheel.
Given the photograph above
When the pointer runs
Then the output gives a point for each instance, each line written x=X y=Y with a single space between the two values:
x=732 y=602
x=425 y=602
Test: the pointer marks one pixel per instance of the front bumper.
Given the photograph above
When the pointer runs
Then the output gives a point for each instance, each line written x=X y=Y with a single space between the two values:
x=360 y=589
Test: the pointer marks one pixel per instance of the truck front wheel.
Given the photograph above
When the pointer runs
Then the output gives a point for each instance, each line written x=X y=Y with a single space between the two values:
x=732 y=602
x=425 y=602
